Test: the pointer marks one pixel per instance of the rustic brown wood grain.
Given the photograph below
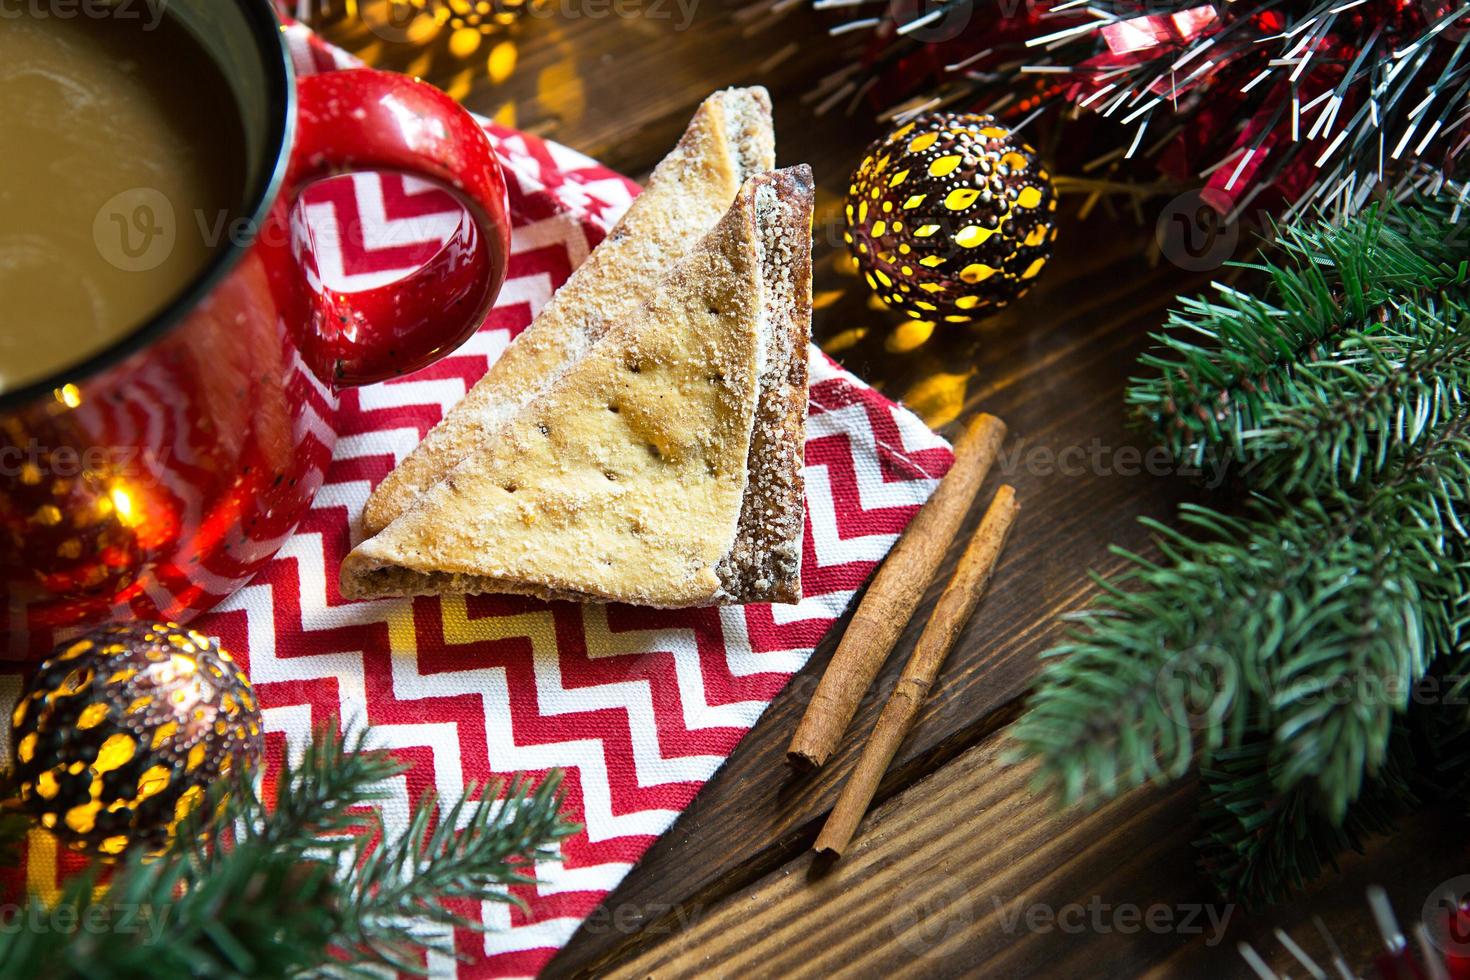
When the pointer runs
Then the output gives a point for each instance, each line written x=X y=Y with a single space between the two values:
x=729 y=889
x=968 y=873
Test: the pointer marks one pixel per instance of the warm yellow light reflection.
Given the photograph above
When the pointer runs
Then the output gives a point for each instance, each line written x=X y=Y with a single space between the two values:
x=560 y=90
x=845 y=340
x=458 y=33
x=464 y=42
x=459 y=86
x=69 y=395
x=939 y=398
x=909 y=335
x=421 y=29
x=502 y=61
x=122 y=504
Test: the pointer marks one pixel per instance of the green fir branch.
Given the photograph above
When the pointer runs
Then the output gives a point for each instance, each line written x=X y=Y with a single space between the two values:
x=307 y=883
x=1307 y=625
x=1282 y=647
x=1258 y=843
x=475 y=851
x=1226 y=365
x=1374 y=398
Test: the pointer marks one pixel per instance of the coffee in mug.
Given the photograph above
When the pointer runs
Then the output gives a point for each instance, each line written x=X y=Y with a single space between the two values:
x=120 y=175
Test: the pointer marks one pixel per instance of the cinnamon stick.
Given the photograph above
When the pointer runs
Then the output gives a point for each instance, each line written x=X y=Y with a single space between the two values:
x=950 y=615
x=894 y=595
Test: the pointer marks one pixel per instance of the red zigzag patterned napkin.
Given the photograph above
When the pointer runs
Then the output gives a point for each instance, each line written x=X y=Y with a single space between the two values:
x=638 y=706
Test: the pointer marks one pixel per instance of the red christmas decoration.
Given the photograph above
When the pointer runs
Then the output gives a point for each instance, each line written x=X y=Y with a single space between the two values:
x=1271 y=106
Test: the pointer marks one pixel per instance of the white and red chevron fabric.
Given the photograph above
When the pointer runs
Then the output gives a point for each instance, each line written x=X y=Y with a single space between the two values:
x=638 y=707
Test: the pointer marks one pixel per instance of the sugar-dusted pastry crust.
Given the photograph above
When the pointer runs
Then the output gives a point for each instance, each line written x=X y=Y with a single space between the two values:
x=728 y=140
x=627 y=478
x=764 y=565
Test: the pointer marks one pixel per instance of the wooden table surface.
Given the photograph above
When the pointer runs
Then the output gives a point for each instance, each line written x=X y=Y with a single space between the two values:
x=961 y=868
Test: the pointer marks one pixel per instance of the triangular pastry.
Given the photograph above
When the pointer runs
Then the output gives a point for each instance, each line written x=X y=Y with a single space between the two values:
x=660 y=468
x=728 y=140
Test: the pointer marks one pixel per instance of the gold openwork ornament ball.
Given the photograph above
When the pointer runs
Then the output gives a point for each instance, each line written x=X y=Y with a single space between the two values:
x=116 y=737
x=950 y=217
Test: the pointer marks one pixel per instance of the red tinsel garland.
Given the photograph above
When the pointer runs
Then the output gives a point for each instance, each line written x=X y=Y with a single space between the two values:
x=1269 y=102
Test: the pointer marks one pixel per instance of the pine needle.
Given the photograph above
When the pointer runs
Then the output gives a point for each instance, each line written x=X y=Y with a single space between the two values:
x=1280 y=647
x=310 y=882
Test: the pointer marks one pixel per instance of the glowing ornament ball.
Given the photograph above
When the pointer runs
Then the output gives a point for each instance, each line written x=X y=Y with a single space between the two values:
x=950 y=217
x=69 y=528
x=116 y=737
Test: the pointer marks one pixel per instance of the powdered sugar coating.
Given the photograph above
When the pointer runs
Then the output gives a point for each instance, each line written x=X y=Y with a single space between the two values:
x=728 y=140
x=764 y=564
x=637 y=476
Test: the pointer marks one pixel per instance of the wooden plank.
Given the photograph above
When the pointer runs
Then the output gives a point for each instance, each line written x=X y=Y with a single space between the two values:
x=968 y=873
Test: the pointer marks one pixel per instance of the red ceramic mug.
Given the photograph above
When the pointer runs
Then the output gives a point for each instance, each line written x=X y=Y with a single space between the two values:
x=156 y=478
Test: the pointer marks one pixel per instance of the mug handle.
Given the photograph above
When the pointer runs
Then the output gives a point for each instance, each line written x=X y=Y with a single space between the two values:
x=363 y=119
